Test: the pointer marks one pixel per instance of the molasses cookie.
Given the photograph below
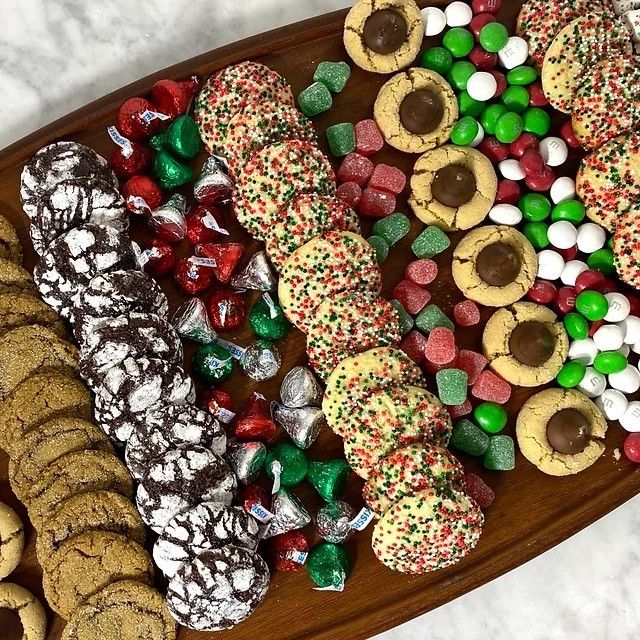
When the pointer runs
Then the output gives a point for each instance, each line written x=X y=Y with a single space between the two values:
x=10 y=247
x=15 y=279
x=20 y=309
x=453 y=187
x=416 y=110
x=494 y=265
x=11 y=541
x=561 y=431
x=383 y=36
x=525 y=344
x=22 y=617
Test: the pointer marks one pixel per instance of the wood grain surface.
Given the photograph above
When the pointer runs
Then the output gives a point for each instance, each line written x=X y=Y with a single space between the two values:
x=532 y=512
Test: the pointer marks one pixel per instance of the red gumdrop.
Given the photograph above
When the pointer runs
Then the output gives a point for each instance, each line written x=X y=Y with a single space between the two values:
x=411 y=296
x=489 y=6
x=472 y=363
x=542 y=181
x=369 y=140
x=482 y=59
x=350 y=193
x=501 y=81
x=133 y=124
x=594 y=326
x=376 y=204
x=589 y=279
x=285 y=547
x=421 y=272
x=609 y=286
x=524 y=142
x=192 y=278
x=568 y=135
x=635 y=304
x=170 y=97
x=160 y=257
x=565 y=299
x=255 y=422
x=536 y=95
x=508 y=192
x=413 y=345
x=388 y=178
x=227 y=256
x=355 y=168
x=495 y=150
x=137 y=162
x=141 y=194
x=441 y=346
x=432 y=367
x=227 y=310
x=542 y=292
x=478 y=490
x=466 y=313
x=217 y=402
x=532 y=162
x=632 y=447
x=491 y=388
x=252 y=494
x=568 y=254
x=478 y=21
x=202 y=224
x=456 y=411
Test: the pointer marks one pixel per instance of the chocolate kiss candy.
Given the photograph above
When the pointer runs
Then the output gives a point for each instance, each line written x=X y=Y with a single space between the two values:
x=138 y=161
x=328 y=477
x=212 y=363
x=256 y=276
x=158 y=257
x=300 y=388
x=267 y=319
x=290 y=550
x=255 y=422
x=213 y=186
x=182 y=138
x=173 y=98
x=168 y=219
x=169 y=172
x=288 y=514
x=332 y=521
x=191 y=321
x=246 y=459
x=133 y=122
x=261 y=360
x=303 y=424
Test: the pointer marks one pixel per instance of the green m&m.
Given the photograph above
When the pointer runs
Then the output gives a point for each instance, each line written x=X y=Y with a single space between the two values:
x=536 y=234
x=490 y=116
x=465 y=131
x=469 y=106
x=460 y=73
x=493 y=37
x=570 y=210
x=437 y=59
x=508 y=127
x=490 y=416
x=459 y=41
x=608 y=362
x=602 y=260
x=522 y=75
x=535 y=207
x=575 y=324
x=515 y=99
x=592 y=305
x=537 y=121
x=571 y=374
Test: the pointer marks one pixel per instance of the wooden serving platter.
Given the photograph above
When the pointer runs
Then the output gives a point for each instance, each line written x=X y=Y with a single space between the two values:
x=532 y=512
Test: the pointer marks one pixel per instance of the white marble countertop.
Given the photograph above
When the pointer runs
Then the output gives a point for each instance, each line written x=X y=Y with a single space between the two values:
x=58 y=55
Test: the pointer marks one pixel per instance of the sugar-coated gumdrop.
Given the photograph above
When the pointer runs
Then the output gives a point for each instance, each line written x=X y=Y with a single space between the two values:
x=491 y=387
x=392 y=228
x=421 y=272
x=466 y=313
x=433 y=316
x=433 y=368
x=376 y=204
x=441 y=346
x=501 y=454
x=472 y=363
x=333 y=75
x=350 y=193
x=456 y=411
x=405 y=321
x=369 y=140
x=469 y=438
x=478 y=490
x=388 y=178
x=380 y=248
x=413 y=345
x=430 y=242
x=341 y=139
x=452 y=386
x=315 y=99
x=355 y=168
x=412 y=297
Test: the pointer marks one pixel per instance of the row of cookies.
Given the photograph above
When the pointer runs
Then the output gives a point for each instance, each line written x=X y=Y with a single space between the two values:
x=130 y=357
x=63 y=468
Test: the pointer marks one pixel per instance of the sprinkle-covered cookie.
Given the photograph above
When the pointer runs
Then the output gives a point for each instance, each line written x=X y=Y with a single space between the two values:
x=11 y=540
x=219 y=589
x=10 y=247
x=390 y=418
x=332 y=263
x=172 y=427
x=133 y=387
x=272 y=177
x=229 y=92
x=208 y=525
x=76 y=257
x=354 y=377
x=409 y=470
x=307 y=216
x=182 y=478
x=348 y=323
x=23 y=617
x=626 y=247
x=427 y=531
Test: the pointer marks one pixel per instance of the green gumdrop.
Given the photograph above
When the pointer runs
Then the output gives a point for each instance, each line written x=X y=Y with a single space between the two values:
x=577 y=327
x=571 y=374
x=328 y=477
x=315 y=99
x=469 y=106
x=570 y=210
x=490 y=416
x=608 y=362
x=433 y=316
x=405 y=321
x=522 y=75
x=467 y=437
x=452 y=386
x=380 y=248
x=536 y=234
x=509 y=127
x=212 y=363
x=535 y=207
x=392 y=228
x=493 y=37
x=490 y=116
x=333 y=75
x=328 y=565
x=602 y=260
x=181 y=138
x=430 y=242
x=437 y=59
x=293 y=461
x=169 y=172
x=537 y=121
x=501 y=454
x=268 y=320
x=592 y=305
x=464 y=131
x=516 y=99
x=460 y=73
x=341 y=139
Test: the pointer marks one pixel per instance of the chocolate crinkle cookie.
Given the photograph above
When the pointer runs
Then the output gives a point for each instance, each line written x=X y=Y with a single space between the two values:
x=219 y=589
x=171 y=427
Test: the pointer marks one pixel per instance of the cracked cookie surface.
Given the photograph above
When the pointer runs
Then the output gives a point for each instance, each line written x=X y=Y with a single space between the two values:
x=23 y=616
x=11 y=540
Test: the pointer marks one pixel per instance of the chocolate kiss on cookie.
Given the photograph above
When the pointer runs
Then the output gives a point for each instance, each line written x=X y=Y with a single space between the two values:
x=385 y=31
x=569 y=431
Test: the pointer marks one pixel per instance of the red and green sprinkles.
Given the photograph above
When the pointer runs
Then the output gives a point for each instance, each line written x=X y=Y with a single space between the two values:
x=626 y=247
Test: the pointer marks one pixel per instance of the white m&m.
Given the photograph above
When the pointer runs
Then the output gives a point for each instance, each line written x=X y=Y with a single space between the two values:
x=591 y=237
x=554 y=151
x=631 y=417
x=562 y=189
x=593 y=383
x=550 y=265
x=434 y=20
x=608 y=337
x=627 y=380
x=514 y=53
x=482 y=86
x=612 y=403
x=458 y=14
x=505 y=214
x=619 y=307
x=562 y=234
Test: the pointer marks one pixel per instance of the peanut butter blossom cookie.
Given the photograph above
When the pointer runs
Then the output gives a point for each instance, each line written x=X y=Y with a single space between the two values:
x=525 y=344
x=453 y=187
x=427 y=531
x=273 y=177
x=358 y=375
x=229 y=92
x=331 y=263
x=608 y=181
x=494 y=265
x=626 y=247
x=347 y=323
x=606 y=102
x=411 y=469
x=383 y=36
x=575 y=49
x=561 y=431
x=416 y=110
